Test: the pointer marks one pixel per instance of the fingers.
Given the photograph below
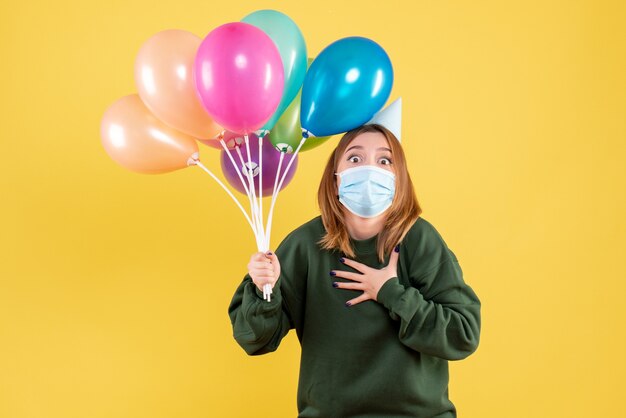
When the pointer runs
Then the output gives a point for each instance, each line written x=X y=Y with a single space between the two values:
x=349 y=286
x=355 y=265
x=358 y=300
x=393 y=259
x=264 y=276
x=262 y=269
x=258 y=257
x=353 y=286
x=265 y=272
x=260 y=265
x=346 y=275
x=262 y=280
x=271 y=257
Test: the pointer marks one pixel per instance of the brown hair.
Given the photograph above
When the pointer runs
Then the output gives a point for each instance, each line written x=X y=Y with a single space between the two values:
x=402 y=214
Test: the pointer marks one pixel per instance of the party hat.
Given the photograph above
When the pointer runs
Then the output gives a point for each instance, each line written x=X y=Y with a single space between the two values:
x=391 y=118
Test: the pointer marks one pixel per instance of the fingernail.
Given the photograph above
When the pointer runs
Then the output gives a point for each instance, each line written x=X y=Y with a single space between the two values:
x=342 y=259
x=397 y=249
x=332 y=273
x=348 y=304
x=335 y=284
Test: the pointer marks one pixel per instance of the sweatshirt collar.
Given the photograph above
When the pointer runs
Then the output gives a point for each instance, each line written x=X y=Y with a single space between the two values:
x=365 y=246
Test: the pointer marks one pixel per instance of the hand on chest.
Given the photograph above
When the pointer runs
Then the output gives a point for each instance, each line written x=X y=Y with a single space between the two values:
x=356 y=280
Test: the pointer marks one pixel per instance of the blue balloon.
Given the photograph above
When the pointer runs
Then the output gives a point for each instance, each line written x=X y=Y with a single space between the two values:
x=348 y=82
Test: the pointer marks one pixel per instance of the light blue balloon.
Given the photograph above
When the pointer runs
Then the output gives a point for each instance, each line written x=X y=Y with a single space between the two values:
x=292 y=48
x=349 y=81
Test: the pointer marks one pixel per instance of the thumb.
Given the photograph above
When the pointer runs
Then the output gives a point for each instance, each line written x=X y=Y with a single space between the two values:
x=271 y=256
x=393 y=259
x=274 y=260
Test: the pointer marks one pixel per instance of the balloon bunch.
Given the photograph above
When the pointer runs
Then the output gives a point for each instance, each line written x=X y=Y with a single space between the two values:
x=245 y=82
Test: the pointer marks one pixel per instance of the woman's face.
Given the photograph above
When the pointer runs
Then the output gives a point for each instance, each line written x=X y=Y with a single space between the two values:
x=368 y=148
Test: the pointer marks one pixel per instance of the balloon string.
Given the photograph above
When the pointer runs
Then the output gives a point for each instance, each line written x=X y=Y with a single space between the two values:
x=262 y=242
x=236 y=167
x=264 y=249
x=293 y=157
x=267 y=288
x=282 y=179
x=274 y=194
x=252 y=186
x=198 y=163
x=252 y=203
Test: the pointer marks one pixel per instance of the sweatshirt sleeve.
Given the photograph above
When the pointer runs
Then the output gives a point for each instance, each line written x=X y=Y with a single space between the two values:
x=440 y=314
x=259 y=325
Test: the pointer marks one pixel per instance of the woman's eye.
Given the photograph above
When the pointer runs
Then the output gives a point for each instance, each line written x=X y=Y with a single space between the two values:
x=385 y=161
x=354 y=159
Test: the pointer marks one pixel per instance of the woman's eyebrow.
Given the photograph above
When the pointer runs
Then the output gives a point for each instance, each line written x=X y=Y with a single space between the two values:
x=360 y=147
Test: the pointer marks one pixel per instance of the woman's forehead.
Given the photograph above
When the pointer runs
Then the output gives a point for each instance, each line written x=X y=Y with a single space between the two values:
x=369 y=141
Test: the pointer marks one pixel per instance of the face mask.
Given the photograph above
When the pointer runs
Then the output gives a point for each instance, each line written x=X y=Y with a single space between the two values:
x=367 y=191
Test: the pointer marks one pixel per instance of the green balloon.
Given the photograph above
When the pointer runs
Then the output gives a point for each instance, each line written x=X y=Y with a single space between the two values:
x=287 y=133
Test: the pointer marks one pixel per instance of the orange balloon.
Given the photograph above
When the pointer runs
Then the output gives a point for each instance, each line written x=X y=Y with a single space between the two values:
x=134 y=138
x=164 y=79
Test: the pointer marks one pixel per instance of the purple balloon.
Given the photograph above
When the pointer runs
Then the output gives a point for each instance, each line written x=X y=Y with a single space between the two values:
x=271 y=157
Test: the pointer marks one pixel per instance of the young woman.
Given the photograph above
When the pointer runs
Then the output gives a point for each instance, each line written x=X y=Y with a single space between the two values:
x=376 y=297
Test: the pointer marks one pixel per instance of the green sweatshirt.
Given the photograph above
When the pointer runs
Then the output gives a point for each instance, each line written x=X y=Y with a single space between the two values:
x=385 y=358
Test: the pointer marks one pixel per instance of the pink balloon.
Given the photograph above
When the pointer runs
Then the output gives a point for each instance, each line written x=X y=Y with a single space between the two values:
x=239 y=76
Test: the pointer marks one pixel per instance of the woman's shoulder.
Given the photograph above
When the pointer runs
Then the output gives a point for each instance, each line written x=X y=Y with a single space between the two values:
x=424 y=228
x=309 y=232
x=424 y=239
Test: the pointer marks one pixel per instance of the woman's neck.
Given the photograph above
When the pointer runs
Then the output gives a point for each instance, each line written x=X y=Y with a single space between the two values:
x=363 y=228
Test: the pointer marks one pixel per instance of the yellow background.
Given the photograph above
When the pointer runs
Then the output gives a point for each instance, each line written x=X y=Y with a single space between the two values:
x=114 y=286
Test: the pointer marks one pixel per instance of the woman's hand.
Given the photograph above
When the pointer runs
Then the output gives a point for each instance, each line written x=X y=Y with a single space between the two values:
x=264 y=268
x=370 y=280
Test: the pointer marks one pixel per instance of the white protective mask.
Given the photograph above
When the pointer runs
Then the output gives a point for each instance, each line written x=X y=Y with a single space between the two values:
x=367 y=190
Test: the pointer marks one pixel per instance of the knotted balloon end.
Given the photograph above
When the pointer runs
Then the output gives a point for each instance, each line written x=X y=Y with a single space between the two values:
x=306 y=133
x=262 y=133
x=194 y=159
